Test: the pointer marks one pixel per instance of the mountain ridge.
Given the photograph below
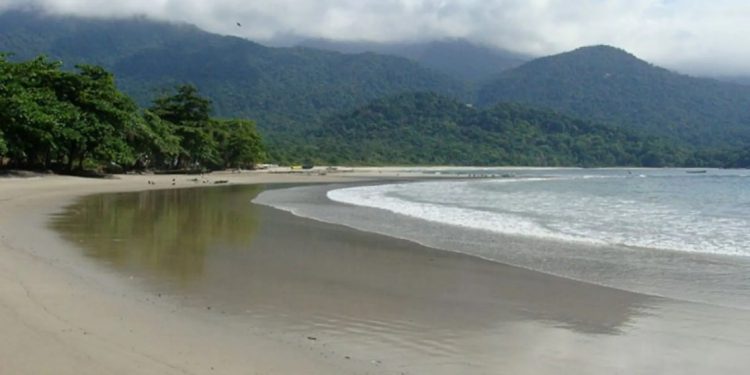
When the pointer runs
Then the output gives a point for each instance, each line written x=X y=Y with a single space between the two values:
x=607 y=84
x=458 y=58
x=282 y=88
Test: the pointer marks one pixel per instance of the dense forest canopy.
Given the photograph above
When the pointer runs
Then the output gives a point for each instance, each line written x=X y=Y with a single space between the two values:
x=57 y=119
x=425 y=128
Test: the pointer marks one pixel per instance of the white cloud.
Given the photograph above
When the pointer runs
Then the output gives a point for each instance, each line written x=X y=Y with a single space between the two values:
x=690 y=35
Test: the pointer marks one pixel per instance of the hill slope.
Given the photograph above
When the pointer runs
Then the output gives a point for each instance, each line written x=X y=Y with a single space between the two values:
x=426 y=128
x=607 y=84
x=458 y=58
x=282 y=88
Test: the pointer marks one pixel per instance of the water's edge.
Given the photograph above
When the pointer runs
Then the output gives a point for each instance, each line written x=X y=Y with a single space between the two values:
x=723 y=280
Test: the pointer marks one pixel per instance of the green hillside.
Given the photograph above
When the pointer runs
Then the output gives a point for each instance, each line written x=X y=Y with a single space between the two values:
x=609 y=85
x=282 y=88
x=426 y=128
x=355 y=108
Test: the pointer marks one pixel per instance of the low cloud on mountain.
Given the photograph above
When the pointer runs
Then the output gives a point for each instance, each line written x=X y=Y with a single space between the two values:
x=689 y=35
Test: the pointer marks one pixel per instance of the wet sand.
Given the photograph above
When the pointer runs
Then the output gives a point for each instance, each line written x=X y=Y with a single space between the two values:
x=61 y=314
x=256 y=290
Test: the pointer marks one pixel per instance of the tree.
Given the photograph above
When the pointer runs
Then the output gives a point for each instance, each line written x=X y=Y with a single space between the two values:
x=31 y=114
x=55 y=118
x=239 y=143
x=106 y=118
x=155 y=143
x=191 y=116
x=185 y=106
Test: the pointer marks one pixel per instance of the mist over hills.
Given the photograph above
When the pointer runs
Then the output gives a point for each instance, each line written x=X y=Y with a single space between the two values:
x=282 y=88
x=458 y=58
x=76 y=40
x=299 y=94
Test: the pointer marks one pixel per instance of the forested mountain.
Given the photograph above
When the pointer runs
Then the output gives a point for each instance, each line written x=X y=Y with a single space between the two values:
x=281 y=88
x=426 y=128
x=609 y=85
x=305 y=100
x=458 y=58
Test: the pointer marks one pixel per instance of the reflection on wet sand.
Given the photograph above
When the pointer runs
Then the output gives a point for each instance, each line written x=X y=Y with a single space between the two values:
x=287 y=263
x=166 y=232
x=423 y=309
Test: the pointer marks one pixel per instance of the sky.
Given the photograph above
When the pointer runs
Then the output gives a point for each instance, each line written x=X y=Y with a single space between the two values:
x=693 y=36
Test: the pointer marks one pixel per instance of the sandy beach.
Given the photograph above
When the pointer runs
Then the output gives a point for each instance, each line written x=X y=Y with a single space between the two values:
x=351 y=303
x=60 y=316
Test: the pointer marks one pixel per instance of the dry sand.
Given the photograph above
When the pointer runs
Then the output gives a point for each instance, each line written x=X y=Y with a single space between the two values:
x=405 y=308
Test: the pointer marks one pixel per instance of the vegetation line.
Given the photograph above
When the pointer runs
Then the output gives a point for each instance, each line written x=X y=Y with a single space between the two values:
x=70 y=121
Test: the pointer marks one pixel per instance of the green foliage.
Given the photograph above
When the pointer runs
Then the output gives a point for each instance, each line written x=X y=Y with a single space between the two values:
x=727 y=157
x=155 y=142
x=184 y=107
x=426 y=128
x=606 y=84
x=190 y=115
x=238 y=143
x=205 y=141
x=106 y=117
x=29 y=111
x=52 y=118
x=3 y=145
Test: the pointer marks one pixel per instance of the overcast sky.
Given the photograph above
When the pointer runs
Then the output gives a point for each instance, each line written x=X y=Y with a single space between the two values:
x=695 y=36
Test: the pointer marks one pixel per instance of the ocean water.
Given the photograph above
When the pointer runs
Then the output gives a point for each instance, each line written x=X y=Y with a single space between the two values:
x=659 y=210
x=664 y=232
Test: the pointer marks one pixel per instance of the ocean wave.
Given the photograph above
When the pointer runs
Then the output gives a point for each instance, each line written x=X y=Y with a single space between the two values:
x=564 y=214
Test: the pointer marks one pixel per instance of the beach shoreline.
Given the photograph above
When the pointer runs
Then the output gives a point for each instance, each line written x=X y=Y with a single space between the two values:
x=643 y=270
x=63 y=314
x=46 y=297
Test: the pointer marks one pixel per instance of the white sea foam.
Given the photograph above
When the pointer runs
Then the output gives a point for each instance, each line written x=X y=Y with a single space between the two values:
x=379 y=197
x=585 y=209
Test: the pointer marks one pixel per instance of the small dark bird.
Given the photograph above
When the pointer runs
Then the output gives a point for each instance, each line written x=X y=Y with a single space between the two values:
x=239 y=24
